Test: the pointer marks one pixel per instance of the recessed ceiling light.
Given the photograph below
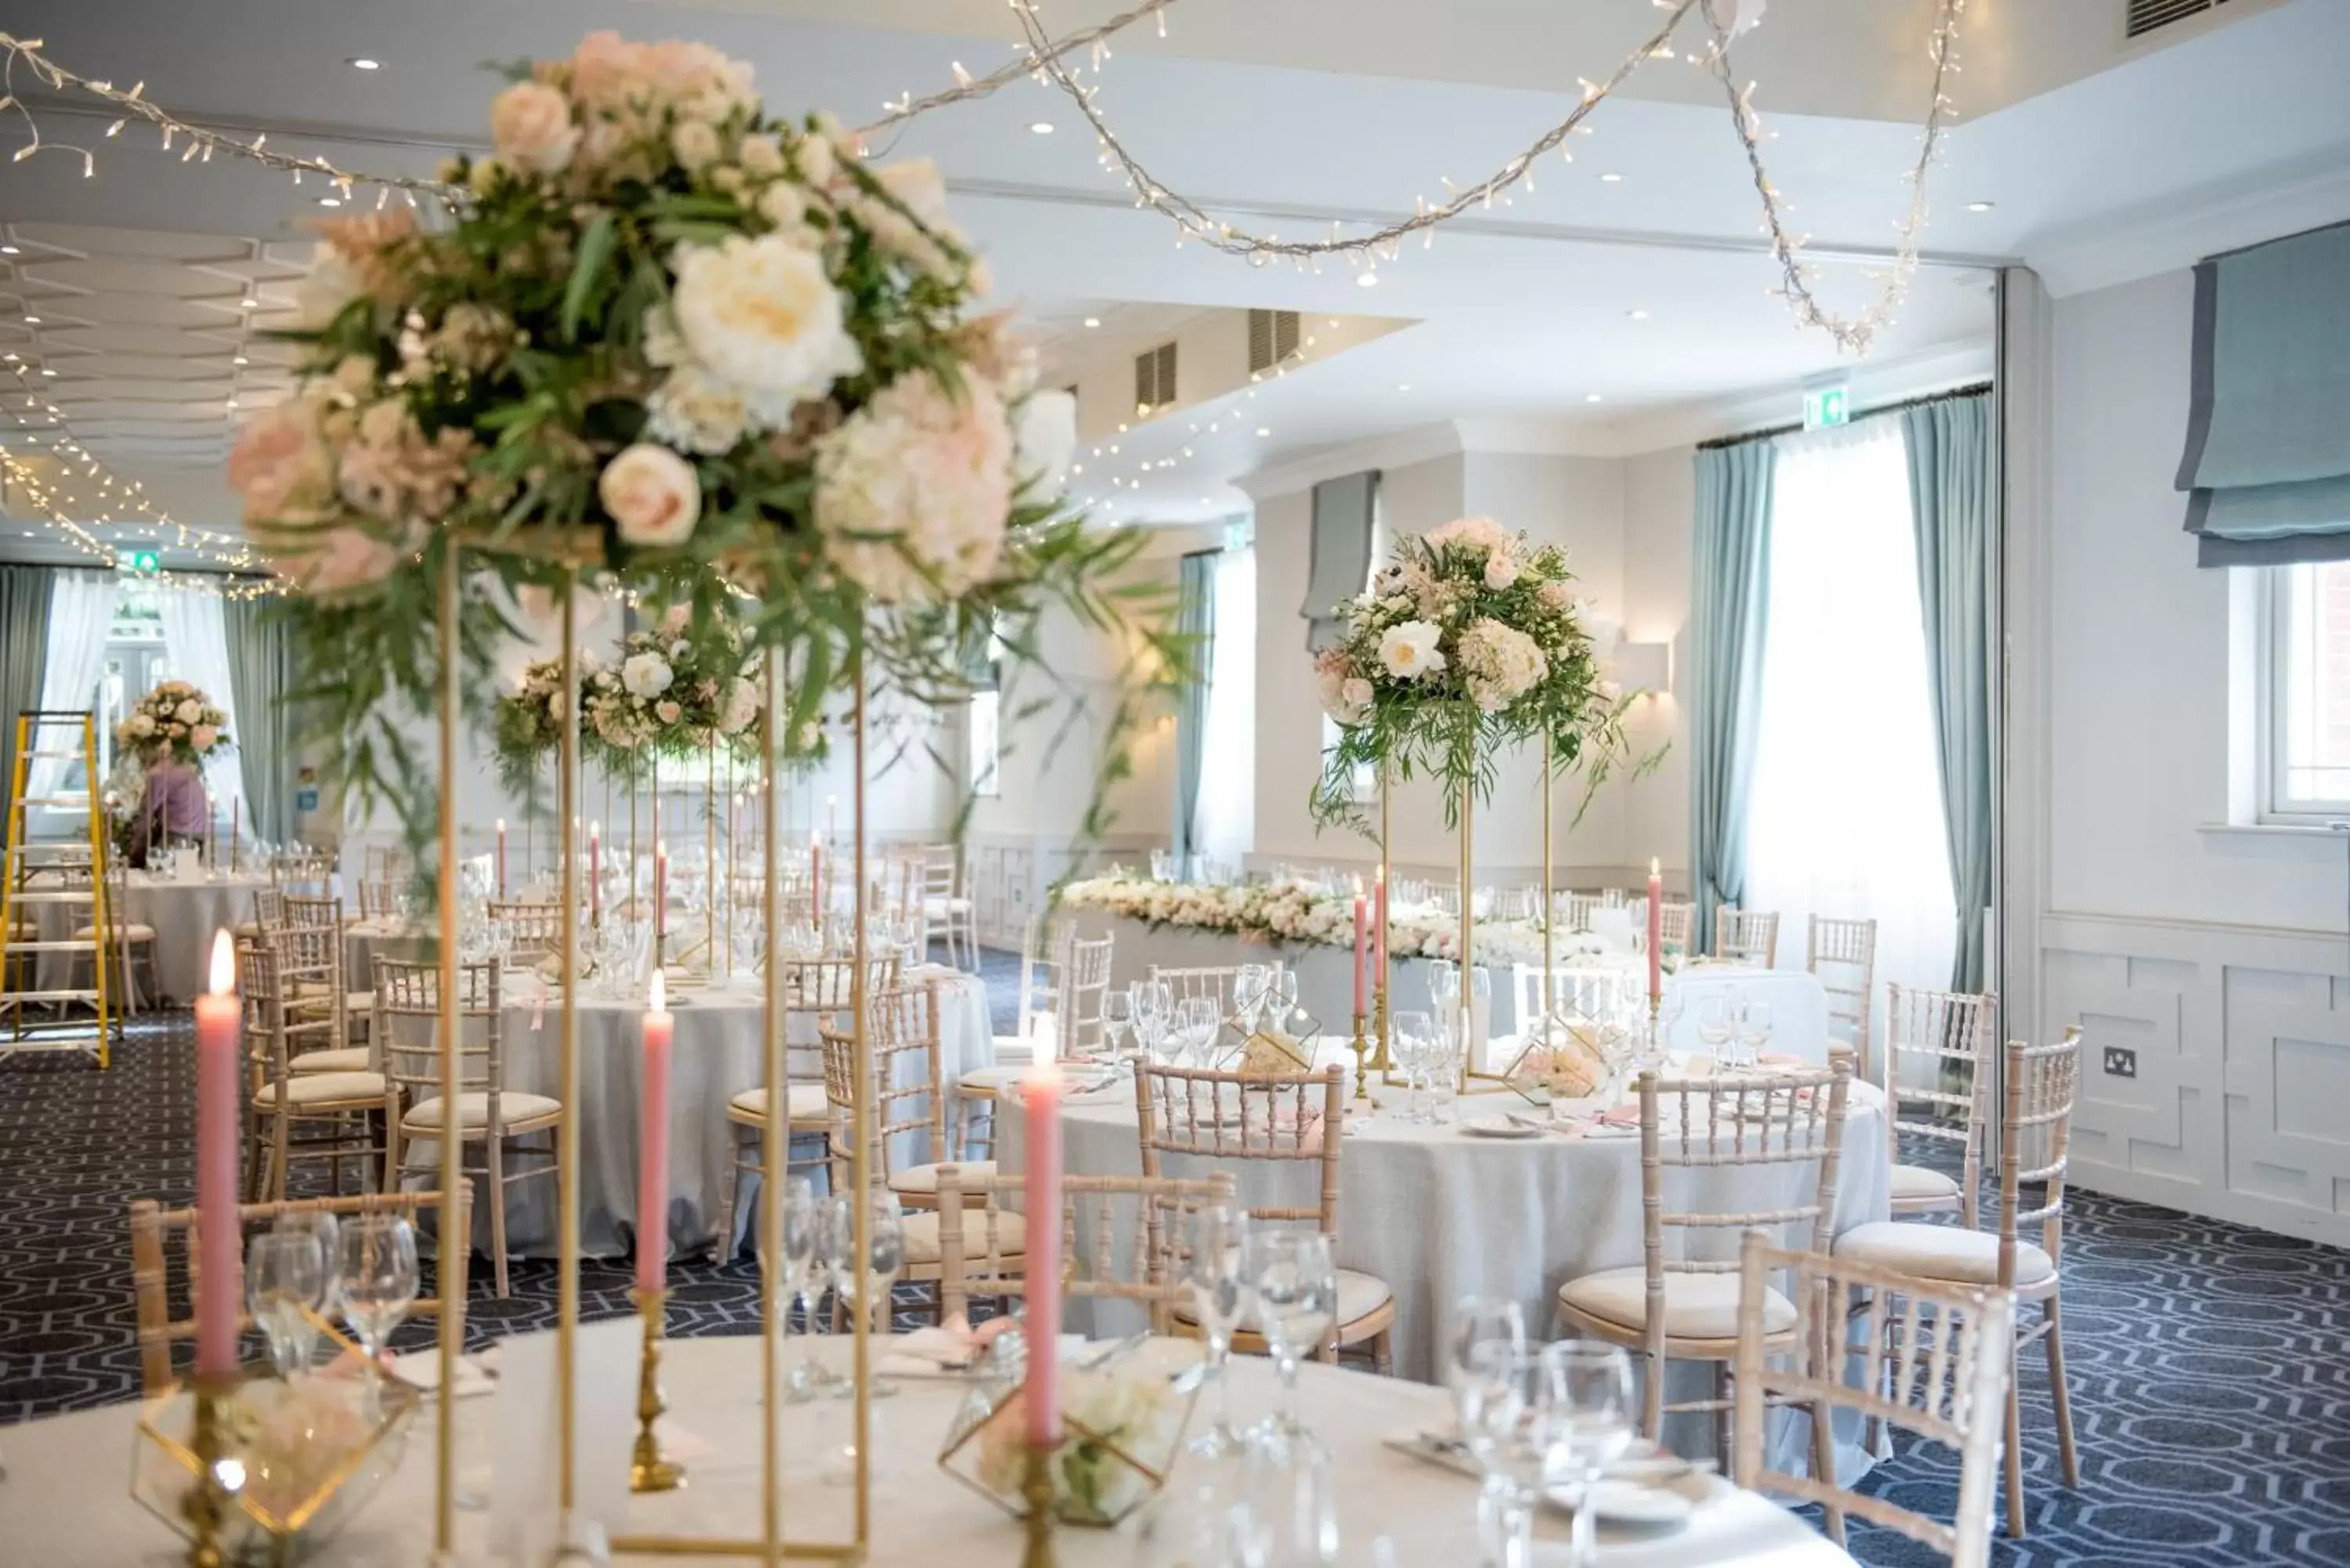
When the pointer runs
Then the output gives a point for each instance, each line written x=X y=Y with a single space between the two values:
x=1637 y=315
x=1093 y=321
x=1980 y=206
x=240 y=359
x=330 y=201
x=46 y=370
x=1264 y=429
x=32 y=321
x=1403 y=386
x=249 y=303
x=1367 y=280
x=7 y=250
x=1611 y=178
x=363 y=63
x=1041 y=127
x=1591 y=397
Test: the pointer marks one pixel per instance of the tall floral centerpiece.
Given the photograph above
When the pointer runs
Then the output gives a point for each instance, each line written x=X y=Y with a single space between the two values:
x=1469 y=643
x=174 y=723
x=673 y=337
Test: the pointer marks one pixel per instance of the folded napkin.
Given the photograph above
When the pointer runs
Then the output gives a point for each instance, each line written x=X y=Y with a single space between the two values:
x=422 y=1369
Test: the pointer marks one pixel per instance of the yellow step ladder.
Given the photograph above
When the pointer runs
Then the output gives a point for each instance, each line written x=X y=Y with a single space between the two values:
x=44 y=889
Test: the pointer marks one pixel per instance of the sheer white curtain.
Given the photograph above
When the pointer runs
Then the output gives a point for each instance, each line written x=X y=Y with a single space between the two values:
x=81 y=614
x=195 y=638
x=1227 y=818
x=1846 y=814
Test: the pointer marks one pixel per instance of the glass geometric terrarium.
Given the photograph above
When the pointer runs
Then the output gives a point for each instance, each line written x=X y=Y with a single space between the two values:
x=1122 y=1426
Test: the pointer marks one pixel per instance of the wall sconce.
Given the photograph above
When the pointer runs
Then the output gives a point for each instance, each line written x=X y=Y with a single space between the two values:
x=1644 y=666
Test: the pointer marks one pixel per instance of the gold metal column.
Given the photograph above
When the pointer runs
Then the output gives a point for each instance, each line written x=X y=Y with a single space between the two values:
x=567 y=1133
x=454 y=1249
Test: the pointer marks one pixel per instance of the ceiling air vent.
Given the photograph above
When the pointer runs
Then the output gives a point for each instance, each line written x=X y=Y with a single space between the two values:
x=2144 y=16
x=1273 y=337
x=1154 y=379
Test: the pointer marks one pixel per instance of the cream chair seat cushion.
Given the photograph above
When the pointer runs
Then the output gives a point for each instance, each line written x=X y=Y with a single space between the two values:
x=936 y=908
x=126 y=930
x=474 y=1110
x=353 y=1059
x=1942 y=1252
x=1697 y=1306
x=1915 y=1184
x=924 y=1178
x=804 y=1102
x=323 y=1088
x=921 y=1229
x=1359 y=1295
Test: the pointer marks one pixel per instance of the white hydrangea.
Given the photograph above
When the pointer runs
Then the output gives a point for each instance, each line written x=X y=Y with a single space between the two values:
x=646 y=676
x=1502 y=663
x=913 y=491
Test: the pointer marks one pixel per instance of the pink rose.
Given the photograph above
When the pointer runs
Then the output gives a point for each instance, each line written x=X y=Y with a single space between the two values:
x=328 y=561
x=652 y=493
x=1500 y=570
x=1556 y=596
x=675 y=619
x=669 y=711
x=203 y=737
x=280 y=464
x=608 y=71
x=531 y=124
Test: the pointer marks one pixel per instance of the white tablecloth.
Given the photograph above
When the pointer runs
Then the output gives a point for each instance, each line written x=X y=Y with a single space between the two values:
x=1440 y=1214
x=184 y=916
x=64 y=1502
x=716 y=1056
x=364 y=940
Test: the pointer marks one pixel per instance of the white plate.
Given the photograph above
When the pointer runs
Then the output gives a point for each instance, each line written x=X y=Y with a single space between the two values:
x=1635 y=1503
x=1502 y=1127
x=1660 y=1503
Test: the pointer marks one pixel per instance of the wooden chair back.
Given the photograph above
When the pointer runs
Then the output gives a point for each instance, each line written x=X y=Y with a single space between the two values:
x=536 y=925
x=279 y=972
x=1575 y=993
x=1247 y=1119
x=321 y=913
x=1675 y=923
x=977 y=1259
x=1085 y=981
x=1214 y=982
x=153 y=1229
x=1940 y=1369
x=1930 y=1037
x=903 y=1026
x=268 y=907
x=408 y=1033
x=2043 y=1083
x=1750 y=936
x=1842 y=956
x=1579 y=909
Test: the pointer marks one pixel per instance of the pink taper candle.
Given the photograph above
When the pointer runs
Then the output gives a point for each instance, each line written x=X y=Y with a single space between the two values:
x=502 y=857
x=1655 y=929
x=1362 y=952
x=219 y=1075
x=652 y=1142
x=1041 y=1092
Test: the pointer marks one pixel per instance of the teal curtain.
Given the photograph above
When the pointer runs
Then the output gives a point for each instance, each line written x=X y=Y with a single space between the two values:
x=24 y=653
x=1730 y=593
x=1950 y=497
x=261 y=671
x=1195 y=618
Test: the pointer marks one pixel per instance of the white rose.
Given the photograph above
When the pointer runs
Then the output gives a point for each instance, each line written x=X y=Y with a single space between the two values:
x=531 y=124
x=142 y=724
x=741 y=707
x=189 y=711
x=814 y=156
x=1043 y=443
x=331 y=284
x=783 y=204
x=695 y=144
x=646 y=675
x=1408 y=650
x=652 y=493
x=697 y=411
x=762 y=156
x=761 y=314
x=1501 y=571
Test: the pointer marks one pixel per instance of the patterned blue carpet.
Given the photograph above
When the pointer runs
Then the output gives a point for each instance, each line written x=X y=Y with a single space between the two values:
x=2211 y=1377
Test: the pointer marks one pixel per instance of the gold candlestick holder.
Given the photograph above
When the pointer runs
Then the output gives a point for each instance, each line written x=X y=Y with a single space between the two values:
x=1362 y=1049
x=207 y=1504
x=1036 y=1492
x=1382 y=1057
x=649 y=1469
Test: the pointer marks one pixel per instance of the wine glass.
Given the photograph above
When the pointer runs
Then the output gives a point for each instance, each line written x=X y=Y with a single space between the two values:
x=1508 y=1402
x=320 y=1223
x=1717 y=1021
x=1476 y=1321
x=1249 y=983
x=1753 y=1033
x=1153 y=1001
x=805 y=1218
x=1284 y=996
x=1118 y=1020
x=284 y=1289
x=379 y=1279
x=1414 y=1032
x=865 y=1282
x=1196 y=1023
x=1216 y=1271
x=1294 y=1286
x=1590 y=1429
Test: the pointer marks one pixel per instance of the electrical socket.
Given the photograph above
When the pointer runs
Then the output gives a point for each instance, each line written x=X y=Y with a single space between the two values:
x=2121 y=1062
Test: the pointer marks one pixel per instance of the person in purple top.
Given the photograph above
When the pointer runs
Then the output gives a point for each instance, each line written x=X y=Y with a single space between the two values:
x=173 y=807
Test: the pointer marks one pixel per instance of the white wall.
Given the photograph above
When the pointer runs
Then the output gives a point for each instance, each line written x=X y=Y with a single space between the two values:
x=1659 y=512
x=2217 y=955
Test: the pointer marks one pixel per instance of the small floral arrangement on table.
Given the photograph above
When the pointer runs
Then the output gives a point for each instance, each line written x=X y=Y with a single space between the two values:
x=705 y=352
x=1469 y=643
x=175 y=722
x=1120 y=1429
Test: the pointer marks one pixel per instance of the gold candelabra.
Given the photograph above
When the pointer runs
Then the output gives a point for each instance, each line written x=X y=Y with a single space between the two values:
x=649 y=1469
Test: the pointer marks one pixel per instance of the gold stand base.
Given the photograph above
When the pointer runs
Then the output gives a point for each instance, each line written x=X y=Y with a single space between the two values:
x=1037 y=1491
x=207 y=1504
x=649 y=1469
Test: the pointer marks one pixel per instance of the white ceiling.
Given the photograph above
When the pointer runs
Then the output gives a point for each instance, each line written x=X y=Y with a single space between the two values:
x=1282 y=116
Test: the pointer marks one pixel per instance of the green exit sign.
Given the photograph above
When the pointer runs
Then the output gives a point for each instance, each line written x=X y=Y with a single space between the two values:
x=145 y=562
x=1825 y=405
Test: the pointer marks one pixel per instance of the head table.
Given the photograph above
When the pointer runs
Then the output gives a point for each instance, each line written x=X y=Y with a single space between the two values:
x=716 y=1055
x=65 y=1501
x=1439 y=1213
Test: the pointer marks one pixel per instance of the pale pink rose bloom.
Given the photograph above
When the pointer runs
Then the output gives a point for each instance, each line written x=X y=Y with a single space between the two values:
x=335 y=560
x=675 y=619
x=203 y=737
x=530 y=126
x=280 y=465
x=1556 y=595
x=669 y=712
x=652 y=493
x=608 y=71
x=1501 y=571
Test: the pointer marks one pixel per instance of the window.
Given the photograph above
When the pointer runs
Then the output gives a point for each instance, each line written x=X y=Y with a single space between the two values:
x=2308 y=706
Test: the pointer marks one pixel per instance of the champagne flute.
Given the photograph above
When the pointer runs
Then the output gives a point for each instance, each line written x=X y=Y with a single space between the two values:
x=378 y=1284
x=1216 y=1271
x=1284 y=992
x=1196 y=1022
x=284 y=1289
x=1477 y=1320
x=1753 y=1033
x=1716 y=1022
x=1118 y=1020
x=804 y=1220
x=1508 y=1405
x=1413 y=1030
x=1591 y=1427
x=1294 y=1286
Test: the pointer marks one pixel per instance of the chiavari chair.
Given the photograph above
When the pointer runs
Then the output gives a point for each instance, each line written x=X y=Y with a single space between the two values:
x=535 y=924
x=1215 y=982
x=975 y=1245
x=489 y=1115
x=337 y=1102
x=1677 y=1303
x=947 y=904
x=133 y=942
x=1675 y=923
x=1937 y=1084
x=907 y=1096
x=1842 y=956
x=2042 y=1084
x=1746 y=936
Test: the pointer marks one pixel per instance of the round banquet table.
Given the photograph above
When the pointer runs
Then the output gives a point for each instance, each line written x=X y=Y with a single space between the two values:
x=1440 y=1214
x=183 y=917
x=384 y=936
x=66 y=1502
x=716 y=1056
